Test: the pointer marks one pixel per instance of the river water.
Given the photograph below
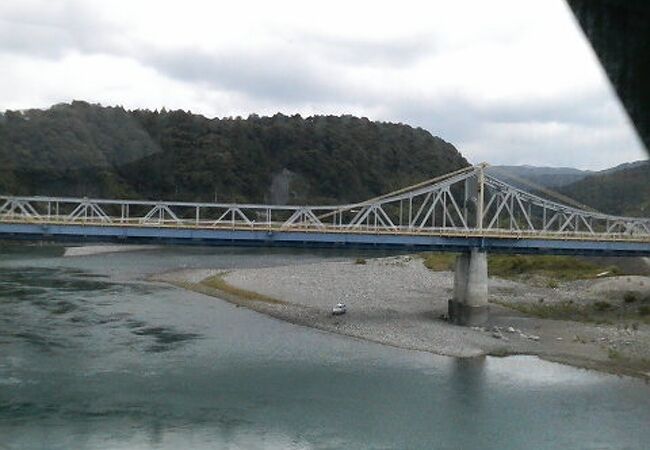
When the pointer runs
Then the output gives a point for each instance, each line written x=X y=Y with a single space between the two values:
x=94 y=357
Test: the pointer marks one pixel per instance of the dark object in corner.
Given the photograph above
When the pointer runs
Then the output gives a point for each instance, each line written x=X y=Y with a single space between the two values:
x=619 y=32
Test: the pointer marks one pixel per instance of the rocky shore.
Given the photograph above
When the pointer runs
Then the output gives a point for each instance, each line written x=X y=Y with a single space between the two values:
x=397 y=301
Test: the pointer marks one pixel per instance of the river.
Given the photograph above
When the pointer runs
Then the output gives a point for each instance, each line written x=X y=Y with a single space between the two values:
x=94 y=357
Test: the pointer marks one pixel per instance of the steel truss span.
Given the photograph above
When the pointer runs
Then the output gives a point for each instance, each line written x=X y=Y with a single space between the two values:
x=467 y=203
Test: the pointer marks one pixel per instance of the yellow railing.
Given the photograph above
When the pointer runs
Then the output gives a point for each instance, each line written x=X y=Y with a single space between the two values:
x=328 y=228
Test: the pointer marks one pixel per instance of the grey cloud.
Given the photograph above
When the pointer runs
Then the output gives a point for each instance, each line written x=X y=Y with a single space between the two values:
x=586 y=109
x=302 y=70
x=461 y=116
x=388 y=53
x=270 y=75
x=49 y=30
x=285 y=78
x=453 y=117
x=563 y=150
x=584 y=142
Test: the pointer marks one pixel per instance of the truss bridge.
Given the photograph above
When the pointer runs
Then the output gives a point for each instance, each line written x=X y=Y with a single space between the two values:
x=469 y=211
x=469 y=208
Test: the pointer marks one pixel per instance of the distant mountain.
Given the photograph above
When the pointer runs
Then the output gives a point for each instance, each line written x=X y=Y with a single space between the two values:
x=622 y=190
x=624 y=166
x=81 y=149
x=555 y=176
x=551 y=177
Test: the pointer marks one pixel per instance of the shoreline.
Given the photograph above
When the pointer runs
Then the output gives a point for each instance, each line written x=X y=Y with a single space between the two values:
x=73 y=251
x=396 y=301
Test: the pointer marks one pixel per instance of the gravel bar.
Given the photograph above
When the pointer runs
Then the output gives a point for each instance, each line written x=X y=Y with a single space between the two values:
x=397 y=301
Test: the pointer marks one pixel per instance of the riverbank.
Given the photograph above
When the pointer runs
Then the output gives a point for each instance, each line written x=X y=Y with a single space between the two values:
x=397 y=301
x=90 y=250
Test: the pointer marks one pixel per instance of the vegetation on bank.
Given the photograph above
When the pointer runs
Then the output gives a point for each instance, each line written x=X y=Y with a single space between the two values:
x=549 y=271
x=522 y=267
x=218 y=282
x=216 y=286
x=595 y=312
x=439 y=262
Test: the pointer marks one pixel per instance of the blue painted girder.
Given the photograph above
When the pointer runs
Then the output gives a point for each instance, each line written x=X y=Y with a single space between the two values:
x=198 y=236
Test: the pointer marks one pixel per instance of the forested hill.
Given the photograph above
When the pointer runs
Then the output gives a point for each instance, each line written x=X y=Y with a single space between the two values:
x=624 y=191
x=81 y=149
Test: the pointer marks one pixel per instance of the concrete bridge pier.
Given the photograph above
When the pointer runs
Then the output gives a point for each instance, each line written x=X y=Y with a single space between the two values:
x=469 y=306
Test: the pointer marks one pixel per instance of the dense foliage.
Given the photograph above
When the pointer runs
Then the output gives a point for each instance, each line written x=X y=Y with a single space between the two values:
x=89 y=150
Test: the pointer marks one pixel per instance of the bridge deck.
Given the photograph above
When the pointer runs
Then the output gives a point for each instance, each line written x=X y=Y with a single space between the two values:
x=276 y=235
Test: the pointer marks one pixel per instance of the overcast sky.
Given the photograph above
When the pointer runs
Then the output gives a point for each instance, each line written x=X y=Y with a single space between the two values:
x=507 y=82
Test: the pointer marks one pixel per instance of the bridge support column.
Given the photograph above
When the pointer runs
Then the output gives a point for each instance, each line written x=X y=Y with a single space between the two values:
x=469 y=305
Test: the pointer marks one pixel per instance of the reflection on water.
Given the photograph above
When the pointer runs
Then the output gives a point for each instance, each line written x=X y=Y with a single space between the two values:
x=90 y=361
